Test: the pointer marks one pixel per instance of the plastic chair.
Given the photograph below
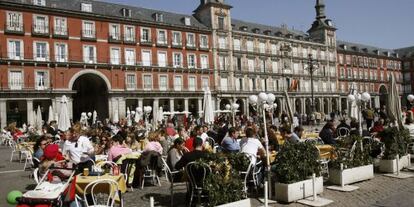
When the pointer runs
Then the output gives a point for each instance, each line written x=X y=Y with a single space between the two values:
x=197 y=173
x=15 y=150
x=91 y=188
x=170 y=177
x=36 y=175
x=28 y=158
x=150 y=172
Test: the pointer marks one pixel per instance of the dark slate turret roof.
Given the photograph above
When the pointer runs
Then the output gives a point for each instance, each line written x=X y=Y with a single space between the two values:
x=365 y=49
x=239 y=25
x=114 y=10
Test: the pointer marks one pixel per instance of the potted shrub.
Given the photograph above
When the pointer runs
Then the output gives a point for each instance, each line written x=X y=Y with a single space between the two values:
x=354 y=157
x=294 y=165
x=396 y=143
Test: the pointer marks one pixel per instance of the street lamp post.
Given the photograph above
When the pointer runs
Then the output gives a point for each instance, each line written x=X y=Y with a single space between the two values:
x=266 y=101
x=410 y=99
x=360 y=100
x=312 y=67
x=233 y=108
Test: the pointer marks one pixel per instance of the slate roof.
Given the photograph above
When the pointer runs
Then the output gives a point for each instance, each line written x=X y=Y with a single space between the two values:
x=111 y=9
x=406 y=52
x=366 y=49
x=239 y=25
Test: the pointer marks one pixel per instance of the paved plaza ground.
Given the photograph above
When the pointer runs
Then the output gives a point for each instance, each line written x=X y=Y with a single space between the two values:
x=381 y=191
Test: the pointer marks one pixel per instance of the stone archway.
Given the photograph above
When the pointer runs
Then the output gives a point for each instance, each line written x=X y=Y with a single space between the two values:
x=326 y=106
x=308 y=106
x=223 y=103
x=91 y=94
x=241 y=107
x=383 y=92
x=298 y=106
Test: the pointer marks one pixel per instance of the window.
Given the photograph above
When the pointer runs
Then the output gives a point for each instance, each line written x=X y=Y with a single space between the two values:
x=253 y=84
x=126 y=12
x=304 y=52
x=159 y=17
x=250 y=64
x=262 y=47
x=130 y=81
x=190 y=40
x=178 y=83
x=162 y=59
x=205 y=82
x=115 y=56
x=15 y=49
x=129 y=33
x=145 y=35
x=203 y=41
x=41 y=51
x=40 y=24
x=163 y=83
x=240 y=84
x=222 y=42
x=221 y=22
x=263 y=66
x=204 y=61
x=236 y=44
x=89 y=54
x=146 y=58
x=250 y=46
x=114 y=31
x=162 y=37
x=39 y=2
x=237 y=63
x=60 y=26
x=222 y=62
x=274 y=49
x=61 y=52
x=15 y=80
x=341 y=59
x=15 y=21
x=85 y=7
x=177 y=60
x=191 y=83
x=191 y=61
x=41 y=80
x=349 y=73
x=275 y=66
x=223 y=84
x=176 y=40
x=130 y=57
x=187 y=21
x=88 y=29
x=147 y=82
x=323 y=55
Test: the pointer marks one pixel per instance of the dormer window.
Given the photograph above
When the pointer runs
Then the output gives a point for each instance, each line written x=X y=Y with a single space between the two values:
x=267 y=32
x=355 y=48
x=376 y=52
x=256 y=30
x=187 y=21
x=159 y=17
x=344 y=47
x=86 y=7
x=365 y=49
x=126 y=12
x=243 y=28
x=278 y=34
x=39 y=2
x=289 y=35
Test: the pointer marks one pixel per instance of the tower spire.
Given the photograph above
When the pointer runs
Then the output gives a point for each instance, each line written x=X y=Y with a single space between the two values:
x=320 y=9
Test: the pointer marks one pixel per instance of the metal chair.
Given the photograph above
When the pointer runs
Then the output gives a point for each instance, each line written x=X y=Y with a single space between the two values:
x=36 y=175
x=246 y=174
x=28 y=158
x=170 y=177
x=111 y=193
x=15 y=150
x=150 y=172
x=197 y=173
x=343 y=132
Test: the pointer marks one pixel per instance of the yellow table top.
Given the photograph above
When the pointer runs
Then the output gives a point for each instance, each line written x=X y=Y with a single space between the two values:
x=83 y=181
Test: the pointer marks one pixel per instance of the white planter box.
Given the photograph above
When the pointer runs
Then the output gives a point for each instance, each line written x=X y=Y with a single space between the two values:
x=296 y=191
x=351 y=175
x=390 y=166
x=240 y=203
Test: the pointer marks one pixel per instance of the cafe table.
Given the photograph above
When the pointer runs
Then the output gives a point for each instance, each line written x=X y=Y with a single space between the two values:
x=83 y=181
x=326 y=151
x=26 y=146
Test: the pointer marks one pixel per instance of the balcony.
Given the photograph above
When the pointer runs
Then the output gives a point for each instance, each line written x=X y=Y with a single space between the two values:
x=114 y=38
x=40 y=30
x=16 y=85
x=177 y=45
x=162 y=43
x=190 y=47
x=14 y=28
x=88 y=35
x=60 y=32
x=146 y=42
x=129 y=39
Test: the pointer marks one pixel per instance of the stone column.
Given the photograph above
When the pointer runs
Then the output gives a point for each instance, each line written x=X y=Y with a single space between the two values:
x=340 y=105
x=246 y=107
x=122 y=107
x=186 y=104
x=377 y=101
x=155 y=106
x=29 y=103
x=303 y=105
x=141 y=103
x=70 y=107
x=218 y=104
x=3 y=113
x=172 y=105
x=200 y=105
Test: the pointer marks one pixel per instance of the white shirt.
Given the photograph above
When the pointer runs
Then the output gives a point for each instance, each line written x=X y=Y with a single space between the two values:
x=204 y=137
x=250 y=146
x=78 y=151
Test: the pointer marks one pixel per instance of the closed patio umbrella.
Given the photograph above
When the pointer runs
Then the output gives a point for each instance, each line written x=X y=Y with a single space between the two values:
x=115 y=118
x=129 y=120
x=138 y=114
x=208 y=115
x=39 y=120
x=393 y=103
x=353 y=107
x=64 y=119
x=51 y=114
x=94 y=117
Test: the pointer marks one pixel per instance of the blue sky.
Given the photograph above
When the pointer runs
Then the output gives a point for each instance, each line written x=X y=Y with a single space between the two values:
x=380 y=23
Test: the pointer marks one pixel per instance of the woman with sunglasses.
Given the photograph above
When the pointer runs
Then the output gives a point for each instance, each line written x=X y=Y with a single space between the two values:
x=39 y=147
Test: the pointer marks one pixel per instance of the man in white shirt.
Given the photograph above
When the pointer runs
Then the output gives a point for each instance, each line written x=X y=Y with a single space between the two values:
x=251 y=145
x=78 y=149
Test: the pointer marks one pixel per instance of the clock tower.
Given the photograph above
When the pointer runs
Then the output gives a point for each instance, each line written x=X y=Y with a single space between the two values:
x=322 y=29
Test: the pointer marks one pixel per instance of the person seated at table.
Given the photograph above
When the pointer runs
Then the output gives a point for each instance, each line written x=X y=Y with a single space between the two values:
x=197 y=154
x=287 y=135
x=154 y=142
x=297 y=134
x=327 y=133
x=104 y=145
x=175 y=153
x=341 y=127
x=39 y=147
x=409 y=123
x=189 y=143
x=230 y=143
x=355 y=129
x=78 y=149
x=272 y=133
x=251 y=145
x=118 y=148
x=377 y=128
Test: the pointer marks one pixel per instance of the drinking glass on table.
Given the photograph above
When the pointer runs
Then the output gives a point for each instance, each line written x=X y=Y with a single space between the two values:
x=85 y=171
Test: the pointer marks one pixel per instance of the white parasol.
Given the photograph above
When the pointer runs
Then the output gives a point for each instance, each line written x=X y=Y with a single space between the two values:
x=64 y=120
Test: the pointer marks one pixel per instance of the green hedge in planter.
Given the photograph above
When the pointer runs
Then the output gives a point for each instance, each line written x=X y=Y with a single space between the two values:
x=224 y=184
x=350 y=156
x=296 y=162
x=395 y=142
